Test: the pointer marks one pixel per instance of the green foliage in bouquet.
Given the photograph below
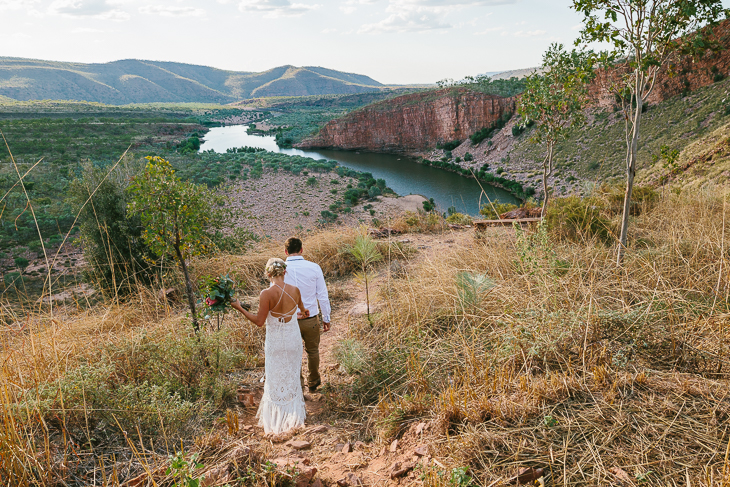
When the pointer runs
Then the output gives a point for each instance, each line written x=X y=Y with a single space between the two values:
x=219 y=292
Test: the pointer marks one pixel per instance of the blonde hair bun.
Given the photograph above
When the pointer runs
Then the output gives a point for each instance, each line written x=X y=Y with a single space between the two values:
x=275 y=267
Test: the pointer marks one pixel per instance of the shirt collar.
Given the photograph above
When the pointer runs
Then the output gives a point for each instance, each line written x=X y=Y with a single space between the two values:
x=294 y=257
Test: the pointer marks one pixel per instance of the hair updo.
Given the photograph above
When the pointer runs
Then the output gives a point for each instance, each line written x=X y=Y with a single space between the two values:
x=275 y=267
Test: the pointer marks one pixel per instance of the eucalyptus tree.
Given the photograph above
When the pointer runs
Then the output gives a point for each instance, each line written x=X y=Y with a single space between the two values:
x=643 y=36
x=553 y=101
x=176 y=217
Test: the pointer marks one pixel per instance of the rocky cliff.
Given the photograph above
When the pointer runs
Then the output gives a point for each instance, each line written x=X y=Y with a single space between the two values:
x=413 y=122
x=681 y=76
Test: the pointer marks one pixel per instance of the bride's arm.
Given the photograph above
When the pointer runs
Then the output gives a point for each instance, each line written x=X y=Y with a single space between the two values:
x=260 y=318
x=303 y=313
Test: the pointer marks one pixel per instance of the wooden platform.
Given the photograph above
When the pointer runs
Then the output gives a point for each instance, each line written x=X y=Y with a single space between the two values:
x=483 y=224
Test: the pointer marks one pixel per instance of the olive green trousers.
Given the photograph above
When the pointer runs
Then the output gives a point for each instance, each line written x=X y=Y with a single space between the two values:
x=309 y=328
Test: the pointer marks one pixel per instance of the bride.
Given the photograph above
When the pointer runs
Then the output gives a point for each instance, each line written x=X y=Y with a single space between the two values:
x=282 y=405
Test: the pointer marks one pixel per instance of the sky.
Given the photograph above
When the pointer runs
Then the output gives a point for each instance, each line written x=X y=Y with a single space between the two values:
x=392 y=41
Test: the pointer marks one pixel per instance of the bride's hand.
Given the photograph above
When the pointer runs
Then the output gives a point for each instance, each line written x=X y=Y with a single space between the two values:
x=304 y=314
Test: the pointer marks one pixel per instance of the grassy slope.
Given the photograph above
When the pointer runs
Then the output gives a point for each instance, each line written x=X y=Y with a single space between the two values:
x=515 y=351
x=596 y=152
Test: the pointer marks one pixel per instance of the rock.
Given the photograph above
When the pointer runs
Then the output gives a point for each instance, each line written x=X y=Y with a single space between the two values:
x=389 y=124
x=526 y=475
x=394 y=446
x=305 y=476
x=421 y=450
x=339 y=447
x=359 y=445
x=420 y=428
x=300 y=445
x=621 y=475
x=400 y=469
x=382 y=232
x=169 y=293
x=317 y=483
x=215 y=476
x=290 y=461
x=346 y=448
x=350 y=480
x=316 y=430
x=246 y=398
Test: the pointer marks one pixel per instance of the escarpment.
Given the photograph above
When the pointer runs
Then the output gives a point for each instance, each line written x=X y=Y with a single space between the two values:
x=413 y=122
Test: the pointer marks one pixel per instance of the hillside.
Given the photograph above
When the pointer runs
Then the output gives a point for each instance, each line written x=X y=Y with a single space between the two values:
x=688 y=103
x=139 y=81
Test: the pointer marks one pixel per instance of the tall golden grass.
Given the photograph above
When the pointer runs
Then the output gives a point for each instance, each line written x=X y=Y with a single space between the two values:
x=522 y=349
x=562 y=360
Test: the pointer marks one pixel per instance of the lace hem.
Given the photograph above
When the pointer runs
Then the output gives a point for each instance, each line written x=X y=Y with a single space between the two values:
x=277 y=417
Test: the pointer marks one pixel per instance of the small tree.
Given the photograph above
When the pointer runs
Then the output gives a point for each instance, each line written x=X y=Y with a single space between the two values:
x=643 y=35
x=554 y=100
x=176 y=216
x=365 y=253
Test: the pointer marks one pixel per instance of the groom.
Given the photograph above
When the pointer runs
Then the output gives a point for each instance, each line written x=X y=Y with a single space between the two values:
x=308 y=277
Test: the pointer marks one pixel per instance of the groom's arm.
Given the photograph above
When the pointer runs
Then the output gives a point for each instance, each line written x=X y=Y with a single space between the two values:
x=324 y=300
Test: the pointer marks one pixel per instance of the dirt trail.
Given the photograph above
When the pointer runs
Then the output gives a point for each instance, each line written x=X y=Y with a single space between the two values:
x=327 y=451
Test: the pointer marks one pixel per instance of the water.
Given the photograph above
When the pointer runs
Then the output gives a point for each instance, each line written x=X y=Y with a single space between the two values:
x=403 y=175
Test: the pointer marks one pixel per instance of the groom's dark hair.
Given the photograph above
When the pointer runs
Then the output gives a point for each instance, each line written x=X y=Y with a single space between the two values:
x=293 y=245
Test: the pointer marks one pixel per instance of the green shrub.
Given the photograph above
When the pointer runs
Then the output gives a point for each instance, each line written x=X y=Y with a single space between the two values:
x=576 y=219
x=468 y=157
x=643 y=198
x=492 y=212
x=459 y=219
x=312 y=181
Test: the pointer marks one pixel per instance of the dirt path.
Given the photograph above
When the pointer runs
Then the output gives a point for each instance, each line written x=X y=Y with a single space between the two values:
x=328 y=451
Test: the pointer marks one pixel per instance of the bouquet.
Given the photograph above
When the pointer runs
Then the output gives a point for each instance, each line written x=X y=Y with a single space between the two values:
x=219 y=293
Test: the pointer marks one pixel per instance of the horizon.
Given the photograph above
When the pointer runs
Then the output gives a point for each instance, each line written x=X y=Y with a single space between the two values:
x=433 y=39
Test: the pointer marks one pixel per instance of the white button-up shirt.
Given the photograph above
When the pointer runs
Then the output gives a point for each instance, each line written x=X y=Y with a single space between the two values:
x=308 y=277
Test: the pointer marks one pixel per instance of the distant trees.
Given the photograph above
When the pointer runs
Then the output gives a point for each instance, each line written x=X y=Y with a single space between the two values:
x=643 y=35
x=118 y=258
x=553 y=101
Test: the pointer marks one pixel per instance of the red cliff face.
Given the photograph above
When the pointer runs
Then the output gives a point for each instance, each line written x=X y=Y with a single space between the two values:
x=412 y=122
x=682 y=74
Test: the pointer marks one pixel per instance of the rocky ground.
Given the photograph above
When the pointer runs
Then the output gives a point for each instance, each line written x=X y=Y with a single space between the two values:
x=280 y=204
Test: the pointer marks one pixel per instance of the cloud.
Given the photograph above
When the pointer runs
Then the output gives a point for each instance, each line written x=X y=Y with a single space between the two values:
x=87 y=30
x=487 y=31
x=350 y=6
x=407 y=20
x=423 y=15
x=96 y=9
x=171 y=11
x=276 y=8
x=530 y=33
x=451 y=4
x=17 y=4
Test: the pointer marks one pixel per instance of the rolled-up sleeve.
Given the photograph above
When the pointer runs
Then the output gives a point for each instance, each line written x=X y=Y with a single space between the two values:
x=323 y=296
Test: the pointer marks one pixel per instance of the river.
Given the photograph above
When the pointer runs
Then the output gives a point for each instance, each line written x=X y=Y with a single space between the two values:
x=403 y=175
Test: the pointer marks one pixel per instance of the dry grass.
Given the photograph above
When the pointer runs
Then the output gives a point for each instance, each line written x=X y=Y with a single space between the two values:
x=523 y=350
x=563 y=361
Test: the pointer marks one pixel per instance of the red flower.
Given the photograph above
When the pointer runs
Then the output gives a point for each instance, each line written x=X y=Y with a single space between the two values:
x=210 y=302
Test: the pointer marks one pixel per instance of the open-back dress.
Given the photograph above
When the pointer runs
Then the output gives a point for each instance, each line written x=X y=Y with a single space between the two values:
x=282 y=405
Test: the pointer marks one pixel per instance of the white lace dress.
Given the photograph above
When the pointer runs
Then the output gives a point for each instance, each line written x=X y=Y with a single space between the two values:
x=282 y=405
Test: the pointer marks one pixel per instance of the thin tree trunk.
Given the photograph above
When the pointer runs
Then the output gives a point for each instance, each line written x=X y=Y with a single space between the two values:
x=188 y=288
x=630 y=170
x=547 y=170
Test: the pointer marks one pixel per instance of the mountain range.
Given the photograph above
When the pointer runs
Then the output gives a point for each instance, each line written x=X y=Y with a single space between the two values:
x=138 y=81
